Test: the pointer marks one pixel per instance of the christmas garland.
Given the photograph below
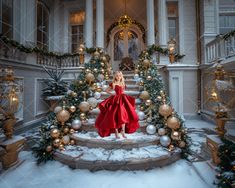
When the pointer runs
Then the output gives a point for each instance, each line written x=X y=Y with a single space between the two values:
x=226 y=168
x=155 y=48
x=42 y=51
x=226 y=35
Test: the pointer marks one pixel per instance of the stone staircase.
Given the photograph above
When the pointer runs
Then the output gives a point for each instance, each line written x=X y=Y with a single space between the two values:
x=139 y=151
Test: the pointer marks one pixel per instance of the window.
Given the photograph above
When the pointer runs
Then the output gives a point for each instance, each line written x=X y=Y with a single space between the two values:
x=77 y=29
x=42 y=25
x=6 y=17
x=226 y=16
x=77 y=37
x=173 y=23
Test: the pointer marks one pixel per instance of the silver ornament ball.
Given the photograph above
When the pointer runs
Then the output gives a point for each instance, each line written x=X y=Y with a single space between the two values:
x=165 y=140
x=151 y=129
x=76 y=124
x=161 y=131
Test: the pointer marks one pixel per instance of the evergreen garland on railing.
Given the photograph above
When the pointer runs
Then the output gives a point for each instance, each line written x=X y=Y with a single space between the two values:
x=229 y=34
x=42 y=51
x=155 y=48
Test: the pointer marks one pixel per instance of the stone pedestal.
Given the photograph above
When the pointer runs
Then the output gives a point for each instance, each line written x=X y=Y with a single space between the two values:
x=11 y=149
x=213 y=142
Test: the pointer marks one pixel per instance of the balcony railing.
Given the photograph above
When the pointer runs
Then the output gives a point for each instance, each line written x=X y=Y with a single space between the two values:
x=220 y=48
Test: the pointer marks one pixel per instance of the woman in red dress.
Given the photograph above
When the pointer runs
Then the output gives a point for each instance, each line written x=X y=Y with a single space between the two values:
x=117 y=112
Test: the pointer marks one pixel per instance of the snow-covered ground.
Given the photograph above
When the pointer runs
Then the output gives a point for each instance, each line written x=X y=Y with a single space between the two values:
x=182 y=174
x=55 y=175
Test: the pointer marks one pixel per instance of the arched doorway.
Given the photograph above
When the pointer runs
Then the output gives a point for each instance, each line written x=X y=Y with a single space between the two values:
x=125 y=42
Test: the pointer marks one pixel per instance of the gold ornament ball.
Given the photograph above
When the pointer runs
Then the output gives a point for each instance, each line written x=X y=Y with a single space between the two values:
x=148 y=102
x=165 y=110
x=175 y=135
x=72 y=142
x=103 y=58
x=90 y=77
x=142 y=108
x=159 y=98
x=56 y=143
x=144 y=95
x=87 y=70
x=173 y=122
x=80 y=82
x=171 y=147
x=149 y=78
x=55 y=133
x=74 y=94
x=49 y=148
x=61 y=147
x=72 y=109
x=84 y=106
x=146 y=63
x=66 y=130
x=102 y=64
x=102 y=71
x=141 y=83
x=82 y=116
x=182 y=144
x=95 y=70
x=71 y=131
x=63 y=116
x=98 y=89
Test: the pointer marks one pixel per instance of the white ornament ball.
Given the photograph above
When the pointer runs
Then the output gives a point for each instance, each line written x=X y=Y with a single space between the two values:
x=100 y=77
x=104 y=87
x=151 y=129
x=97 y=95
x=57 y=109
x=76 y=124
x=92 y=101
x=96 y=111
x=161 y=131
x=141 y=115
x=165 y=140
x=149 y=119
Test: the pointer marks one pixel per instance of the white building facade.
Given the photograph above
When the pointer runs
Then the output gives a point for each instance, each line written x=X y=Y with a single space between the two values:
x=62 y=25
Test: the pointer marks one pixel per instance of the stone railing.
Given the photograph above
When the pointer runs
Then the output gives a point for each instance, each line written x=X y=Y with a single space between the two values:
x=62 y=63
x=220 y=48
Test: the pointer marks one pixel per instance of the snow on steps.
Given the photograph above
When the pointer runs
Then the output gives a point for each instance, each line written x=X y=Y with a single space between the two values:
x=142 y=158
x=135 y=140
x=90 y=125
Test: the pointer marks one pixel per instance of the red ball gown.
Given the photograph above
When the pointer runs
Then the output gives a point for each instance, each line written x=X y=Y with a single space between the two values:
x=117 y=110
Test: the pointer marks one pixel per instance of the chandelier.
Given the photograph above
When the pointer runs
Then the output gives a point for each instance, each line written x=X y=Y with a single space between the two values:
x=124 y=21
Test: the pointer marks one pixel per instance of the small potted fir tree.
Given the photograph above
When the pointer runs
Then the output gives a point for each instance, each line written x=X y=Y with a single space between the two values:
x=55 y=88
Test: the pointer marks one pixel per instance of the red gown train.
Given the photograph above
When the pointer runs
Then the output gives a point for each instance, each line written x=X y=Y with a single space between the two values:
x=117 y=110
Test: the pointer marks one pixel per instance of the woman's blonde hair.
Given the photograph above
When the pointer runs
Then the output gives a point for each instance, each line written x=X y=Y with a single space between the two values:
x=122 y=78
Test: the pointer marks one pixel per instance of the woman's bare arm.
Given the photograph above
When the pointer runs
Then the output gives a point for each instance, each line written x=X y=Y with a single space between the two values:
x=108 y=90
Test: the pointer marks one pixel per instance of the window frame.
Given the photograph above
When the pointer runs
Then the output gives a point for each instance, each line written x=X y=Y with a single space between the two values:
x=46 y=33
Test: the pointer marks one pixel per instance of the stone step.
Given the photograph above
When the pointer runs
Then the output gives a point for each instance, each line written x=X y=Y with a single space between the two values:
x=94 y=159
x=93 y=140
x=90 y=126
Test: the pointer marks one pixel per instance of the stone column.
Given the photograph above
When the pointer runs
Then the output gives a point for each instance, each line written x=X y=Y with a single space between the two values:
x=89 y=24
x=150 y=22
x=100 y=23
x=162 y=23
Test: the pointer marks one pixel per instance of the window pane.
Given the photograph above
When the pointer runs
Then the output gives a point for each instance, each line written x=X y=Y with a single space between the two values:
x=42 y=25
x=76 y=36
x=227 y=23
x=7 y=14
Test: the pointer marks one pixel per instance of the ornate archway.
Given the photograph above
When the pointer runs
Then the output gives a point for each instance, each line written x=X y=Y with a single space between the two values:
x=125 y=42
